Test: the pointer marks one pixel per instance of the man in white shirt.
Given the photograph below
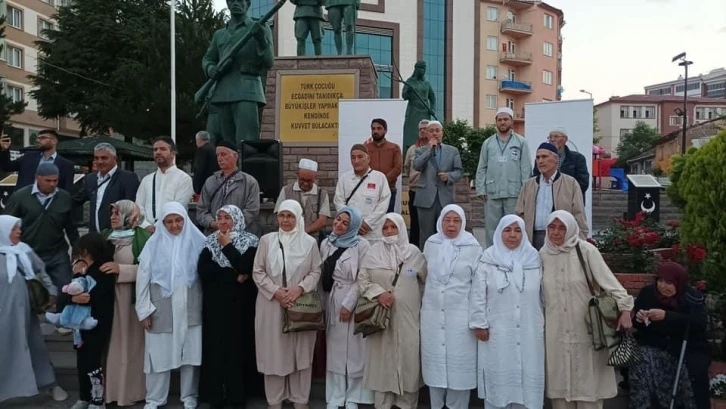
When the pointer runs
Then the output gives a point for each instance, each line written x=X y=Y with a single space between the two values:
x=313 y=199
x=167 y=184
x=366 y=189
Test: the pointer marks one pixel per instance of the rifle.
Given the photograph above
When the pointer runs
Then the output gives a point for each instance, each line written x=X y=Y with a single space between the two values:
x=206 y=91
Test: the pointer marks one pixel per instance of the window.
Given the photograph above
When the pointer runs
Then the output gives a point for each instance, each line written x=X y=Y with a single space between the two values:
x=700 y=113
x=260 y=7
x=691 y=87
x=48 y=1
x=547 y=77
x=625 y=111
x=649 y=112
x=548 y=49
x=492 y=43
x=14 y=56
x=624 y=131
x=492 y=14
x=637 y=112
x=491 y=102
x=434 y=48
x=549 y=21
x=511 y=75
x=42 y=26
x=510 y=103
x=660 y=91
x=15 y=18
x=716 y=90
x=492 y=72
x=17 y=94
x=33 y=136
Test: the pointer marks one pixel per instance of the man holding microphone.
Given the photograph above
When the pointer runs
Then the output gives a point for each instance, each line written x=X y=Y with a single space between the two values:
x=440 y=167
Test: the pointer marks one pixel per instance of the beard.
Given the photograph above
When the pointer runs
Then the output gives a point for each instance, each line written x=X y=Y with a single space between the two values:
x=378 y=137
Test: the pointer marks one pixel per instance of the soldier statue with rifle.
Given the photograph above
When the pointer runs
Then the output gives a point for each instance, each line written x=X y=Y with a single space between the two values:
x=236 y=58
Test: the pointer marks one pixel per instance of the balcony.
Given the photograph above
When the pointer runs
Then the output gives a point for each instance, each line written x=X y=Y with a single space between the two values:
x=515 y=87
x=518 y=58
x=516 y=30
x=519 y=116
x=522 y=4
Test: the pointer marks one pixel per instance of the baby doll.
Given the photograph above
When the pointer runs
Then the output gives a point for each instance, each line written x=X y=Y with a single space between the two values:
x=75 y=316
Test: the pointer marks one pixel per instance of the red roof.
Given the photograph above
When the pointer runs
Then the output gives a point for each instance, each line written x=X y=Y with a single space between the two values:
x=654 y=99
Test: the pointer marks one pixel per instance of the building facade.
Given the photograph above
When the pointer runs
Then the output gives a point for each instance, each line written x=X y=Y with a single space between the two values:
x=480 y=54
x=619 y=115
x=696 y=135
x=711 y=85
x=25 y=23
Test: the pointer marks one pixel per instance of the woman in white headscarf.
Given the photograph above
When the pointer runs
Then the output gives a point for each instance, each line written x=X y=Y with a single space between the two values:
x=25 y=361
x=393 y=363
x=286 y=360
x=448 y=346
x=169 y=304
x=508 y=318
x=578 y=377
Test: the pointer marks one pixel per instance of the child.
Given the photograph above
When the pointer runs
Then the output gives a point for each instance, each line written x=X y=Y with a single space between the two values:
x=90 y=253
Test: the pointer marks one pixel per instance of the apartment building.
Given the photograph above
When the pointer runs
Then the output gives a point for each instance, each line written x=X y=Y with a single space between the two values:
x=619 y=115
x=711 y=85
x=24 y=25
x=480 y=54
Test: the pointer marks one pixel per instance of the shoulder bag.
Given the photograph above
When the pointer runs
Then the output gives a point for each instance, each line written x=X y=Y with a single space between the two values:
x=38 y=295
x=627 y=353
x=370 y=316
x=329 y=269
x=306 y=314
x=602 y=312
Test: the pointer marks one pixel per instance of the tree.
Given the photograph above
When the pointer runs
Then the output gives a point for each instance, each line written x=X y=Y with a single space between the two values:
x=108 y=64
x=468 y=140
x=8 y=107
x=678 y=164
x=635 y=142
x=595 y=127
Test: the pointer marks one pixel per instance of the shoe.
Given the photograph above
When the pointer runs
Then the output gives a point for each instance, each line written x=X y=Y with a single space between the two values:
x=58 y=394
x=80 y=404
x=351 y=405
x=64 y=331
x=190 y=404
x=147 y=406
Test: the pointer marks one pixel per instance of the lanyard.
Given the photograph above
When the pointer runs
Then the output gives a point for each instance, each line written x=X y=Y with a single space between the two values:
x=505 y=145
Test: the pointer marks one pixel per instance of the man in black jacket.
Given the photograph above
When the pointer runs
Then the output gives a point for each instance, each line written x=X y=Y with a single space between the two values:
x=205 y=161
x=27 y=164
x=105 y=187
x=570 y=163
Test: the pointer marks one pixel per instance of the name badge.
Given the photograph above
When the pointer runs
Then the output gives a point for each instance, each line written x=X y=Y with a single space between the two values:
x=502 y=158
x=411 y=272
x=515 y=153
x=369 y=200
x=371 y=186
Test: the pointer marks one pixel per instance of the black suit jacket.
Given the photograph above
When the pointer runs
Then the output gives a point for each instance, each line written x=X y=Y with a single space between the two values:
x=123 y=185
x=205 y=164
x=27 y=164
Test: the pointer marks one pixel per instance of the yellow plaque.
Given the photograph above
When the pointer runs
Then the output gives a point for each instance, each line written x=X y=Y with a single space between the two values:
x=308 y=110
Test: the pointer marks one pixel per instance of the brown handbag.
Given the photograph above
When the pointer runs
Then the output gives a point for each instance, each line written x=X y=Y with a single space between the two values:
x=306 y=314
x=370 y=316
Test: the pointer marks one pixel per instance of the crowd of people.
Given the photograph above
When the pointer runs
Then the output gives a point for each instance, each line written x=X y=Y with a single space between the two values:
x=210 y=298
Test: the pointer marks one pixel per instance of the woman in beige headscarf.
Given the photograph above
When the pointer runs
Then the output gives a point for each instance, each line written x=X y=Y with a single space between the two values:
x=393 y=363
x=285 y=359
x=578 y=377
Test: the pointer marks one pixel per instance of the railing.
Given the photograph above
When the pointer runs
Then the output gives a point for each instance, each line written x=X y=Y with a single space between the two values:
x=511 y=25
x=519 y=56
x=516 y=85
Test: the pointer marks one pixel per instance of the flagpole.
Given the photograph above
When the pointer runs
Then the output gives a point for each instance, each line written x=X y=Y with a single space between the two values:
x=172 y=23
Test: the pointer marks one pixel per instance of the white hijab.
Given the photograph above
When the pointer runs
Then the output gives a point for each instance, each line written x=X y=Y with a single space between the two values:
x=169 y=258
x=441 y=265
x=14 y=253
x=572 y=238
x=389 y=252
x=511 y=264
x=296 y=243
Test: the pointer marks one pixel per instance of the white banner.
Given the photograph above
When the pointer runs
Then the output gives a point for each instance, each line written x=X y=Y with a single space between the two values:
x=354 y=126
x=576 y=117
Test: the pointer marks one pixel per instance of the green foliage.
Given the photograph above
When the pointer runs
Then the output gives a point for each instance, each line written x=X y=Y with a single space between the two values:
x=468 y=140
x=8 y=108
x=701 y=186
x=109 y=62
x=634 y=143
x=595 y=127
x=678 y=163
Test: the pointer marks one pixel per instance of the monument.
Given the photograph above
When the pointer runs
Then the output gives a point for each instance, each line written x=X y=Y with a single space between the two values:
x=235 y=61
x=343 y=13
x=308 y=21
x=421 y=103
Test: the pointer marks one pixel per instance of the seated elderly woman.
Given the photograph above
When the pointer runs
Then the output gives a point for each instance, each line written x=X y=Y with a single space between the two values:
x=665 y=313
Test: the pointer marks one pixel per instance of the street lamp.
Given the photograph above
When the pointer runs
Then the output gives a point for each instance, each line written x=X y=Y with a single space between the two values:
x=586 y=92
x=684 y=63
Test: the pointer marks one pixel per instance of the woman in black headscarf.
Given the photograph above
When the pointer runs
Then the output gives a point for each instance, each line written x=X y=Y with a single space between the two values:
x=665 y=313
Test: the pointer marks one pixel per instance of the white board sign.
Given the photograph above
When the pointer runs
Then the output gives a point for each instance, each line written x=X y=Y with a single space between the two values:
x=354 y=126
x=576 y=118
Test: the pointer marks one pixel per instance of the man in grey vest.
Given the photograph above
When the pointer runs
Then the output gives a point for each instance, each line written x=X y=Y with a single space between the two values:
x=313 y=199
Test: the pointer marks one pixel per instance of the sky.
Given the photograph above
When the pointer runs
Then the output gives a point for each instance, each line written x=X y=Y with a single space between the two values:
x=616 y=47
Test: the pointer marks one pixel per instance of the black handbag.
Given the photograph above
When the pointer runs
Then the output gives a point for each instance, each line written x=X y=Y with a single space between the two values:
x=627 y=353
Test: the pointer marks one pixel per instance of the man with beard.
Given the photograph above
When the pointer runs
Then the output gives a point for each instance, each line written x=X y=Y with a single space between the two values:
x=27 y=164
x=504 y=166
x=167 y=184
x=385 y=157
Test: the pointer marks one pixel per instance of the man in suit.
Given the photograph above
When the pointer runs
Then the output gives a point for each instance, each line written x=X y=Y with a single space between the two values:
x=105 y=187
x=27 y=164
x=205 y=161
x=440 y=167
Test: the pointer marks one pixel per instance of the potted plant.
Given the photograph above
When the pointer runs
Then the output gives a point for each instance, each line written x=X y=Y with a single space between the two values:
x=718 y=392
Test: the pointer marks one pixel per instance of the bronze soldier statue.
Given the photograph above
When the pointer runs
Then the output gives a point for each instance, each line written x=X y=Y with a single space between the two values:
x=308 y=20
x=343 y=12
x=421 y=102
x=239 y=91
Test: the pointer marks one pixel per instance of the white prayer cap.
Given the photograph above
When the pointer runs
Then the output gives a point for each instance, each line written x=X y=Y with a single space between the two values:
x=308 y=164
x=559 y=129
x=504 y=110
x=435 y=123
